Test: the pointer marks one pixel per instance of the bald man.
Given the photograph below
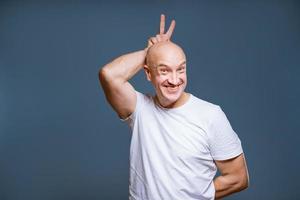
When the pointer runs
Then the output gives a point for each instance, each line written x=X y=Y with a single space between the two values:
x=178 y=141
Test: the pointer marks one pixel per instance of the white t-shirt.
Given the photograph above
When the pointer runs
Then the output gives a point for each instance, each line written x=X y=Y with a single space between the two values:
x=172 y=151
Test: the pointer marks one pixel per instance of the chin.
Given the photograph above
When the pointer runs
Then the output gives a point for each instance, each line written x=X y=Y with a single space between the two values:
x=170 y=98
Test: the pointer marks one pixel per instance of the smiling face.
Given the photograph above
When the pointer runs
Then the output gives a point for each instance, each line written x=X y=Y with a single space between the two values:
x=166 y=69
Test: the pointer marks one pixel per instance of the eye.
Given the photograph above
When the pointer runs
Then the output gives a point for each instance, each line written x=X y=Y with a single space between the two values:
x=163 y=71
x=181 y=69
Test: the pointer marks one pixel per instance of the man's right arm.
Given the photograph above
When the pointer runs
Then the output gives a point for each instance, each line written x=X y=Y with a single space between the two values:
x=114 y=78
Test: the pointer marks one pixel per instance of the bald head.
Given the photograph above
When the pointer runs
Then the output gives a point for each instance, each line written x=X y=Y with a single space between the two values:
x=167 y=50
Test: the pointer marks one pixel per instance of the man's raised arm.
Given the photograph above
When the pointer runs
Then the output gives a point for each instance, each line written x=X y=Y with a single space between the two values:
x=115 y=75
x=114 y=78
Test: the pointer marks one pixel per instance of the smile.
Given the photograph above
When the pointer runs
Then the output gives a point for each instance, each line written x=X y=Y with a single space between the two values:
x=172 y=88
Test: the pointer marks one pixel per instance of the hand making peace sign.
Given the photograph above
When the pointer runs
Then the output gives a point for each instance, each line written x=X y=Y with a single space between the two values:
x=162 y=36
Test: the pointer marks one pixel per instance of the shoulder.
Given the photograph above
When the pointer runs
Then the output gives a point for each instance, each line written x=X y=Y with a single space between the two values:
x=201 y=112
x=204 y=106
x=212 y=112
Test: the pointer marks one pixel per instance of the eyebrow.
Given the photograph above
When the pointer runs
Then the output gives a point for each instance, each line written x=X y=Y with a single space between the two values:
x=164 y=65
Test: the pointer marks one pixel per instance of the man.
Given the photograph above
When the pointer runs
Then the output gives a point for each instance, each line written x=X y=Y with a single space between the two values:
x=178 y=140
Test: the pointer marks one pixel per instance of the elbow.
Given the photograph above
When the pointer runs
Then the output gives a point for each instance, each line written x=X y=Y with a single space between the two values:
x=244 y=186
x=243 y=183
x=108 y=75
x=104 y=74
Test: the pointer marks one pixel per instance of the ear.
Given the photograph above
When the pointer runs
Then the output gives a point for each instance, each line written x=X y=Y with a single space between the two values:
x=147 y=72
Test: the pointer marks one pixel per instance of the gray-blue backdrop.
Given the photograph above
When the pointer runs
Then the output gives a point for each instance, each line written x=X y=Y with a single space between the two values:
x=60 y=140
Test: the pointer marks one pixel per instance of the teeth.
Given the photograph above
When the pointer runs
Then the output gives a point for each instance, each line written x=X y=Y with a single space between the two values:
x=170 y=88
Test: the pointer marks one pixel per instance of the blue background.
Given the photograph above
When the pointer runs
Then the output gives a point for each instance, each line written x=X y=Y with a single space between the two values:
x=59 y=139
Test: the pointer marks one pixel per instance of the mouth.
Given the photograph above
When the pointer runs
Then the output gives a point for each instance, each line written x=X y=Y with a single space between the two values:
x=172 y=88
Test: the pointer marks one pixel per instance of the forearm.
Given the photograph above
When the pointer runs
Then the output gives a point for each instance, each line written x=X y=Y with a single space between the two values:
x=125 y=66
x=228 y=184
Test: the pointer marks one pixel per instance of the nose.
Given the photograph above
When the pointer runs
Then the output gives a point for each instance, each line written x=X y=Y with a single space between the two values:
x=173 y=79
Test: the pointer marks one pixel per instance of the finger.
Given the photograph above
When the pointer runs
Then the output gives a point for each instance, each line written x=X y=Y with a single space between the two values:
x=162 y=24
x=149 y=44
x=159 y=38
x=151 y=38
x=154 y=40
x=164 y=37
x=150 y=41
x=171 y=29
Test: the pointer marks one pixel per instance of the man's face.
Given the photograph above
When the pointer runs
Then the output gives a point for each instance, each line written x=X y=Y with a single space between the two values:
x=168 y=74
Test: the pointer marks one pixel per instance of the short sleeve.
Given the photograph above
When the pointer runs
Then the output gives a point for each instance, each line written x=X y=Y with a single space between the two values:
x=224 y=143
x=138 y=106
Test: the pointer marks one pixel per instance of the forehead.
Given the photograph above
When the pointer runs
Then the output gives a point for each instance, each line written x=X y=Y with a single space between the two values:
x=171 y=57
x=165 y=64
